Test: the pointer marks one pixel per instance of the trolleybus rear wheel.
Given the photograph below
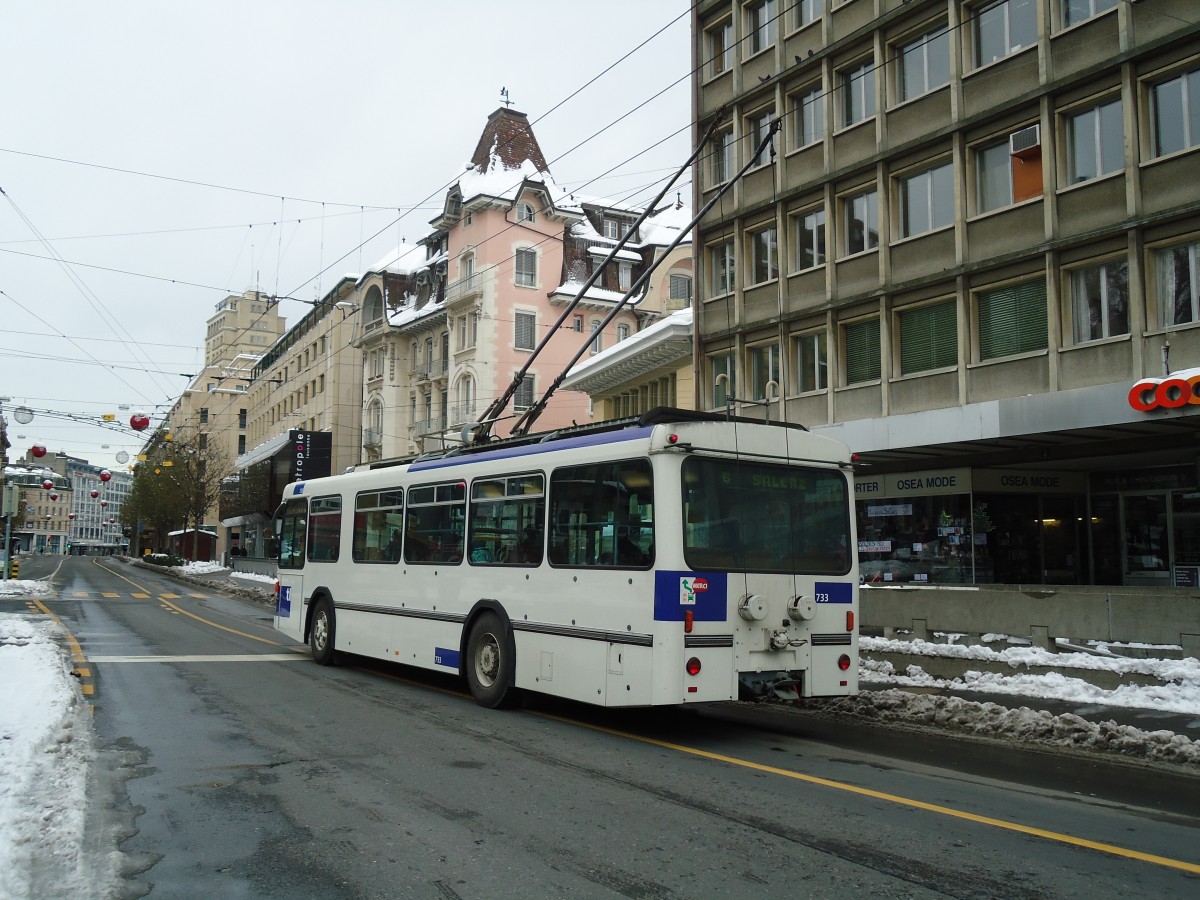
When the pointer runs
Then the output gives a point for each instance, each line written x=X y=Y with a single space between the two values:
x=490 y=663
x=321 y=633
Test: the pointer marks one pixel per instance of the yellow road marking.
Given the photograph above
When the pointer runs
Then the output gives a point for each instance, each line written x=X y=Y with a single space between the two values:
x=169 y=597
x=77 y=656
x=199 y=596
x=1111 y=849
x=82 y=672
x=184 y=612
x=87 y=690
x=140 y=596
x=108 y=594
x=80 y=594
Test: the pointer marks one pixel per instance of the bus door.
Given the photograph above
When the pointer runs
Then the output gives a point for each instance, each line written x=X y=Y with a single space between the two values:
x=291 y=531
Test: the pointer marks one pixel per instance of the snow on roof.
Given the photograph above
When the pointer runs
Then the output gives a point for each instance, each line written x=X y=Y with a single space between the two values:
x=633 y=344
x=407 y=315
x=403 y=260
x=572 y=288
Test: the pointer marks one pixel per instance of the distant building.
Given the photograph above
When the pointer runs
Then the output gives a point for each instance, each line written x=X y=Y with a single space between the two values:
x=974 y=236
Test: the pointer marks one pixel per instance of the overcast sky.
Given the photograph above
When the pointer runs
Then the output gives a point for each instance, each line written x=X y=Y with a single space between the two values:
x=353 y=113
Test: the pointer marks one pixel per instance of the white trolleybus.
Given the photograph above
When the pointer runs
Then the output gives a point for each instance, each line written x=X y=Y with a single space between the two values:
x=673 y=558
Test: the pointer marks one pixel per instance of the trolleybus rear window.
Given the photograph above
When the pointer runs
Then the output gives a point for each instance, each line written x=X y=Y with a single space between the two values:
x=765 y=518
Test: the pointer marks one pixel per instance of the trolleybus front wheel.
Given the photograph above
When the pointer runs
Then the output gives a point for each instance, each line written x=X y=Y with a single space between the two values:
x=490 y=663
x=321 y=633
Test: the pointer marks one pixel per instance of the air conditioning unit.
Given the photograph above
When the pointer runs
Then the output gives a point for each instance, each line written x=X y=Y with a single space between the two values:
x=1026 y=143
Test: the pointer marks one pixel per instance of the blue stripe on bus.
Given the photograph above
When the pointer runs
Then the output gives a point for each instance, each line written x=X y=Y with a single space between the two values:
x=585 y=440
x=706 y=594
x=283 y=603
x=444 y=657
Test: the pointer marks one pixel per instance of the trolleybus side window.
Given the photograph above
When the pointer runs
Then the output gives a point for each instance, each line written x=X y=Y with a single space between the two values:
x=378 y=526
x=325 y=529
x=765 y=518
x=292 y=534
x=603 y=515
x=435 y=523
x=508 y=516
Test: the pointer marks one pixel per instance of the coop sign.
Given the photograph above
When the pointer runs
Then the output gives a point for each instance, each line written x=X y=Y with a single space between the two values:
x=1177 y=390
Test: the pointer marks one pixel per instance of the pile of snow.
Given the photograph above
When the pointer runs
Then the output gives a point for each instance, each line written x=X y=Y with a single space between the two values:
x=46 y=746
x=253 y=576
x=1177 y=690
x=199 y=568
x=1034 y=726
x=18 y=587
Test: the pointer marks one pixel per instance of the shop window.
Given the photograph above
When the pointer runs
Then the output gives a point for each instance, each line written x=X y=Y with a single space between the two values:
x=917 y=540
x=1178 y=274
x=1095 y=142
x=928 y=338
x=1175 y=114
x=923 y=64
x=861 y=340
x=1100 y=301
x=1012 y=319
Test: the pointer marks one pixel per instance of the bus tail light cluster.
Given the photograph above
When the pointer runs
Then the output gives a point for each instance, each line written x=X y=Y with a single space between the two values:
x=849 y=620
x=843 y=662
x=693 y=666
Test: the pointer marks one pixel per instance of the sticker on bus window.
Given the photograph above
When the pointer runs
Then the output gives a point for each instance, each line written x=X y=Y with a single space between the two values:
x=283 y=605
x=833 y=592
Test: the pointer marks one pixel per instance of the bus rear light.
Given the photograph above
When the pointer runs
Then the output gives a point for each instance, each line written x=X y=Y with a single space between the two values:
x=843 y=662
x=672 y=439
x=693 y=666
x=849 y=620
x=688 y=618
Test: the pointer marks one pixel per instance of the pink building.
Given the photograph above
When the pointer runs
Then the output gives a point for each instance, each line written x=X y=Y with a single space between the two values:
x=447 y=324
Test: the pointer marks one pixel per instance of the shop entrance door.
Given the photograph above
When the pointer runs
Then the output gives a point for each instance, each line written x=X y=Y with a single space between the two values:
x=1147 y=538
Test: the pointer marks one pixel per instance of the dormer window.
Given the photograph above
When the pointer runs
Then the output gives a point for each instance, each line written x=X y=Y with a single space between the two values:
x=525 y=212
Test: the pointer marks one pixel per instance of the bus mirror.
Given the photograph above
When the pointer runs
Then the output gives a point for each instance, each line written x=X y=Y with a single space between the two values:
x=278 y=523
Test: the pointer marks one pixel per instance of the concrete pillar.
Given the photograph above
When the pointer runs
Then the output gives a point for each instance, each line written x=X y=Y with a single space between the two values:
x=1040 y=635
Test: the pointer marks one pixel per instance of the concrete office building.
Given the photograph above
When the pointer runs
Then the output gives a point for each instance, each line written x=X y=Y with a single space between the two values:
x=972 y=253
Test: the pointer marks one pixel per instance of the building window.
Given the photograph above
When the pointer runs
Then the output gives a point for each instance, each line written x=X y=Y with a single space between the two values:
x=523 y=397
x=241 y=444
x=808 y=110
x=1076 y=11
x=812 y=363
x=577 y=324
x=720 y=48
x=680 y=290
x=1100 y=301
x=722 y=261
x=810 y=239
x=993 y=177
x=764 y=369
x=924 y=64
x=204 y=415
x=597 y=342
x=1012 y=319
x=764 y=255
x=723 y=373
x=722 y=157
x=523 y=331
x=1178 y=272
x=1175 y=114
x=624 y=275
x=525 y=212
x=760 y=25
x=622 y=332
x=758 y=126
x=1095 y=142
x=858 y=92
x=1004 y=28
x=927 y=200
x=862 y=351
x=808 y=11
x=241 y=418
x=928 y=338
x=861 y=213
x=526 y=264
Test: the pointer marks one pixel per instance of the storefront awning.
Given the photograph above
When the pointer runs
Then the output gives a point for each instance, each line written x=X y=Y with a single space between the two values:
x=265 y=450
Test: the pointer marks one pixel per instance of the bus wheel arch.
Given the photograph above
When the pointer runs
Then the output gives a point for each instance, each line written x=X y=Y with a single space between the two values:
x=321 y=630
x=489 y=656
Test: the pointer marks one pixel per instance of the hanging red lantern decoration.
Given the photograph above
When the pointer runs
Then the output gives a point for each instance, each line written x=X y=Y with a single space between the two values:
x=112 y=521
x=103 y=503
x=38 y=450
x=48 y=484
x=53 y=496
x=139 y=421
x=71 y=516
x=95 y=494
x=105 y=475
